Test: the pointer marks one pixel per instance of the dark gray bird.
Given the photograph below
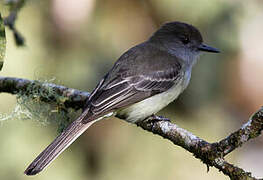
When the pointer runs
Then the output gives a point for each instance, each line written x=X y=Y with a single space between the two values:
x=144 y=80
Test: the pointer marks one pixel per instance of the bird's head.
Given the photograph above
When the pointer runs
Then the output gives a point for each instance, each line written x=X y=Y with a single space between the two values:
x=182 y=40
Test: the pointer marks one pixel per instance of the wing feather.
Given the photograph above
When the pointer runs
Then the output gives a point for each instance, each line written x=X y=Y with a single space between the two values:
x=131 y=90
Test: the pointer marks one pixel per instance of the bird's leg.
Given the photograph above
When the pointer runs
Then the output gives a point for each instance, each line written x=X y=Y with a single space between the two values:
x=154 y=118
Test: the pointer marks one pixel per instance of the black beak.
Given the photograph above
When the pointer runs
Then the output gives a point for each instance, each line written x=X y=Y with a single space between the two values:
x=204 y=47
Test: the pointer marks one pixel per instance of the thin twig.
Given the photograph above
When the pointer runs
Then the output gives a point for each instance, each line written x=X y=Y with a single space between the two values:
x=10 y=20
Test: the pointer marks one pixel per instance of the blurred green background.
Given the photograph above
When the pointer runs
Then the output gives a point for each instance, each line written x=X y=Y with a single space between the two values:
x=76 y=42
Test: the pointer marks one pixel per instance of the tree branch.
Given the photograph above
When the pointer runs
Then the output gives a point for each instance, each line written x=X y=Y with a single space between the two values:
x=212 y=154
x=46 y=92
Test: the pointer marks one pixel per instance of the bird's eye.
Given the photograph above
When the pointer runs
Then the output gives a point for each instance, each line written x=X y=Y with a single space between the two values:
x=185 y=40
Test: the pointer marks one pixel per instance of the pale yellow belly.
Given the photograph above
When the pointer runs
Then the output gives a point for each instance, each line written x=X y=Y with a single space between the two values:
x=143 y=109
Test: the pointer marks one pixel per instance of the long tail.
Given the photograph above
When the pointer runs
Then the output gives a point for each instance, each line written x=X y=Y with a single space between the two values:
x=68 y=136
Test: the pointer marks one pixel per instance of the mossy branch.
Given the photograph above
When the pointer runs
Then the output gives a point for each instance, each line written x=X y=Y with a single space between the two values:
x=212 y=154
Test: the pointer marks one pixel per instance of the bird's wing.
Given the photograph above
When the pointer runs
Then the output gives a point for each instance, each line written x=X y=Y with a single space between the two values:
x=119 y=91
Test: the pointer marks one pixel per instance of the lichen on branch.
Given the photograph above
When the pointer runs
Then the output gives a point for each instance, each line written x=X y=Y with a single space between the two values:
x=42 y=102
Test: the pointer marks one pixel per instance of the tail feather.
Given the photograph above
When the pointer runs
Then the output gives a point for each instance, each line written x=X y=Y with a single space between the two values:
x=67 y=137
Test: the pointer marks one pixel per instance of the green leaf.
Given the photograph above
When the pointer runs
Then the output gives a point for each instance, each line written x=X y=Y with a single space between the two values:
x=2 y=42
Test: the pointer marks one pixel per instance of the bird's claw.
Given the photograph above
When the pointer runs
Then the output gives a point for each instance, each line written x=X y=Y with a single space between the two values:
x=154 y=118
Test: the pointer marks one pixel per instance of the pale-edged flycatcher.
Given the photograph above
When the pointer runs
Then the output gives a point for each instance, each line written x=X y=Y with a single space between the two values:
x=144 y=80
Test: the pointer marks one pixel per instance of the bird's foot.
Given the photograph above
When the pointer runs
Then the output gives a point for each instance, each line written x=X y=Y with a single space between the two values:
x=154 y=118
